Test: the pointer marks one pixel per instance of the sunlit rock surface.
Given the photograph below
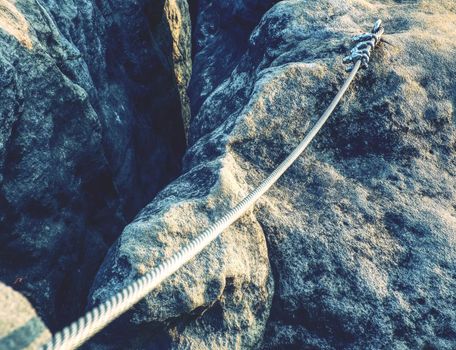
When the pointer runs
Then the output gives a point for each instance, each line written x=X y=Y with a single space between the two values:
x=355 y=247
x=20 y=327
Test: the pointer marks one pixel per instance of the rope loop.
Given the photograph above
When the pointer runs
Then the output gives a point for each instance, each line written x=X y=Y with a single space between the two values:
x=365 y=43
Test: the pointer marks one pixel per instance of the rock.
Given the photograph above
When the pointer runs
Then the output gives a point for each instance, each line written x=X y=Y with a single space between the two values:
x=354 y=247
x=92 y=110
x=20 y=327
x=212 y=299
x=220 y=37
x=176 y=20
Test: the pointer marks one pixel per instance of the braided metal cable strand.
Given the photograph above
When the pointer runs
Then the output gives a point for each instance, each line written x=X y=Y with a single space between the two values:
x=99 y=317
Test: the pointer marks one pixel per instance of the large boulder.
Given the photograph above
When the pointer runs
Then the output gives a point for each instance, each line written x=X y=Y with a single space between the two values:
x=92 y=109
x=20 y=327
x=354 y=247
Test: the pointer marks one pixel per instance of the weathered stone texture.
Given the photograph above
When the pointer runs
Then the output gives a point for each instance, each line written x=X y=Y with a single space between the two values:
x=359 y=232
x=91 y=128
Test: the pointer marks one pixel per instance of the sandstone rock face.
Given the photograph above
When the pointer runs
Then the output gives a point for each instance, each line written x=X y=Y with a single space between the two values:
x=220 y=37
x=20 y=327
x=354 y=248
x=92 y=105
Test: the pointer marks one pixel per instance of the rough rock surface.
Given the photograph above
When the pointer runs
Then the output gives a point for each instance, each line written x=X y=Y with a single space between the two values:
x=20 y=327
x=354 y=248
x=220 y=37
x=92 y=107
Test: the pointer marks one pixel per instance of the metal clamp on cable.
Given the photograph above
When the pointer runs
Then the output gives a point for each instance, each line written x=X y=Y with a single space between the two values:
x=366 y=42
